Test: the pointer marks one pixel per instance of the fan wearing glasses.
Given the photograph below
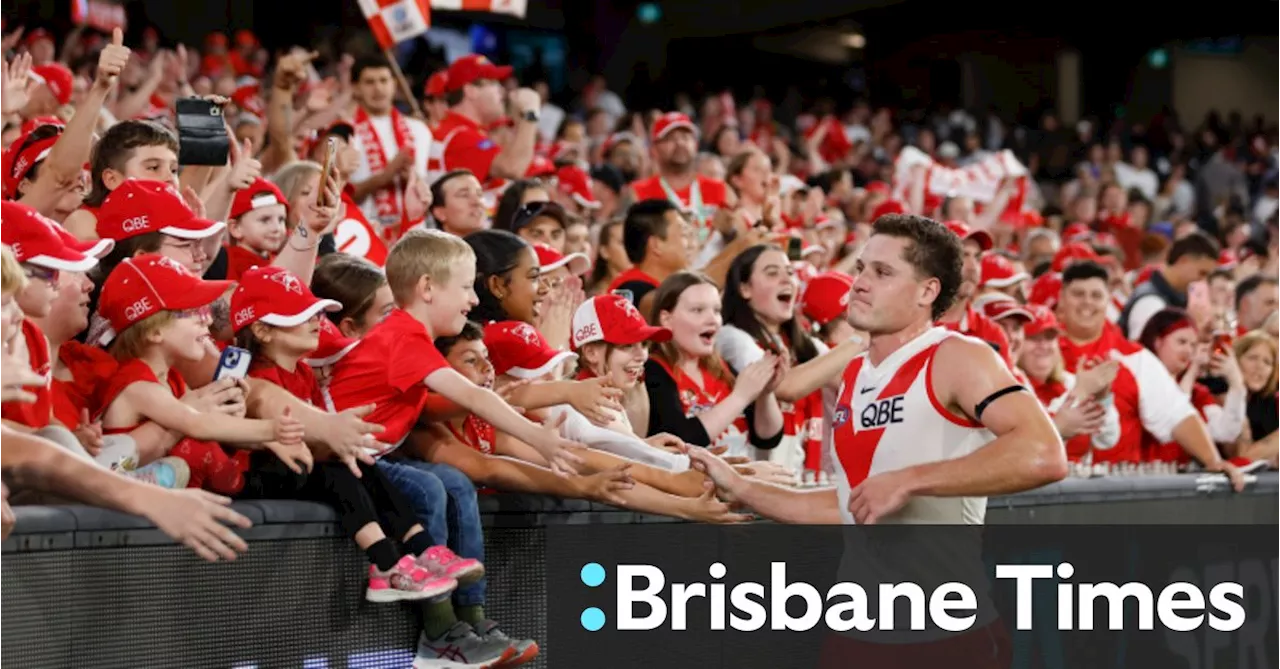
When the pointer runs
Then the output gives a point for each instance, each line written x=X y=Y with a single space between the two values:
x=542 y=223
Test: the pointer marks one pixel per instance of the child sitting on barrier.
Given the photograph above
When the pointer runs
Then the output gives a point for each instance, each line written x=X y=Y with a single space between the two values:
x=158 y=312
x=431 y=274
x=277 y=320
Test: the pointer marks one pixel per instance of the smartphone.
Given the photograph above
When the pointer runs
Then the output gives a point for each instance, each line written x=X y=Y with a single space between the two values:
x=233 y=364
x=202 y=133
x=1221 y=342
x=330 y=154
x=794 y=247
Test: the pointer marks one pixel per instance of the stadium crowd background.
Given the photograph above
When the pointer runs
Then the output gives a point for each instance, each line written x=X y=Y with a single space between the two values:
x=1120 y=228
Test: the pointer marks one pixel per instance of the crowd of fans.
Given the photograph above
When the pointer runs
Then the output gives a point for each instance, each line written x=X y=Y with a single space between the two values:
x=507 y=294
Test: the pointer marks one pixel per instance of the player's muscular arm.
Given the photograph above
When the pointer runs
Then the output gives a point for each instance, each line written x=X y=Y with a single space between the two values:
x=1027 y=452
x=783 y=505
x=824 y=370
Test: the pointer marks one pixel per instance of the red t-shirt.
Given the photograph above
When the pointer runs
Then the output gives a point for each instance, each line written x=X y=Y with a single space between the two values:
x=90 y=368
x=35 y=414
x=388 y=368
x=712 y=192
x=131 y=372
x=301 y=382
x=465 y=145
x=241 y=260
x=977 y=325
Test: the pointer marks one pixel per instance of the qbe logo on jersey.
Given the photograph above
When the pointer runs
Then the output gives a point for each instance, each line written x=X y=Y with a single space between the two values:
x=881 y=413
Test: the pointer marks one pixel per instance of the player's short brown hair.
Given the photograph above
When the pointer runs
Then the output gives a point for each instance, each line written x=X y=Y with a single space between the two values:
x=934 y=252
x=422 y=252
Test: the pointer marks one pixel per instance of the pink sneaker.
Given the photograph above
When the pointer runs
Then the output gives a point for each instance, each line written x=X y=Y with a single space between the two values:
x=441 y=561
x=406 y=582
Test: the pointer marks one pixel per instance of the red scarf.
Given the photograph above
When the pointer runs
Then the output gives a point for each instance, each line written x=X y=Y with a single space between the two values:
x=387 y=199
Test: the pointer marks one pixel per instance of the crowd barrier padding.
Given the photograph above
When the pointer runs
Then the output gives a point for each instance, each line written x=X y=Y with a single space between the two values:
x=83 y=586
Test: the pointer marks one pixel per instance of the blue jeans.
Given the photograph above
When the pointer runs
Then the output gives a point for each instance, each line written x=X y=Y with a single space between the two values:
x=445 y=500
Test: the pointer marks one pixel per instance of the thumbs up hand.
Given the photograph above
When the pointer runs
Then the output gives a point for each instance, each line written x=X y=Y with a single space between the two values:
x=112 y=61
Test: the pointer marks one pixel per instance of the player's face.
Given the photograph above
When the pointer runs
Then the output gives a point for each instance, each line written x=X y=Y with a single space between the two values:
x=888 y=295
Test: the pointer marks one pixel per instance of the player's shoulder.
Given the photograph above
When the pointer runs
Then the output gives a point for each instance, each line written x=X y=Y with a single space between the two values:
x=963 y=349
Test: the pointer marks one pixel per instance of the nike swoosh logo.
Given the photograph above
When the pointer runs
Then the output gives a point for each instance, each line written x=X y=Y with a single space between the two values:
x=864 y=391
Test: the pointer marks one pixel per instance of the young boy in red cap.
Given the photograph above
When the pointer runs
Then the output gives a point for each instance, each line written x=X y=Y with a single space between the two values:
x=130 y=149
x=158 y=312
x=257 y=227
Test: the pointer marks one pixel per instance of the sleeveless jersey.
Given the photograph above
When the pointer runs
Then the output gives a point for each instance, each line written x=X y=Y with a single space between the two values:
x=887 y=418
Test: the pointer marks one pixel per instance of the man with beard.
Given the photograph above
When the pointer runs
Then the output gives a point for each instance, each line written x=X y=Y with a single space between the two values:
x=962 y=317
x=927 y=425
x=675 y=149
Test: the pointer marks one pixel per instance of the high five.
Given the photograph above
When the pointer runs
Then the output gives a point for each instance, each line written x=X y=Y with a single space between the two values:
x=929 y=422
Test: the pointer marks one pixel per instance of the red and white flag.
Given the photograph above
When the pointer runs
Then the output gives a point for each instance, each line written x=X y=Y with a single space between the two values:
x=979 y=182
x=395 y=21
x=515 y=8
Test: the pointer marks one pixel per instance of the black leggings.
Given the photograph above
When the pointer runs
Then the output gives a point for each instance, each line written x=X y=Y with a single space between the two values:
x=359 y=501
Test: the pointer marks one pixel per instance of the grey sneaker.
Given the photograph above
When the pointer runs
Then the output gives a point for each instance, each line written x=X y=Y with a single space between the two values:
x=461 y=648
x=171 y=472
x=525 y=649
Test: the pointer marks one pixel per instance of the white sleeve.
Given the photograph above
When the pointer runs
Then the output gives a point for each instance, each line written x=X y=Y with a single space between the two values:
x=1226 y=422
x=737 y=348
x=422 y=141
x=577 y=428
x=1108 y=435
x=1161 y=403
x=1141 y=312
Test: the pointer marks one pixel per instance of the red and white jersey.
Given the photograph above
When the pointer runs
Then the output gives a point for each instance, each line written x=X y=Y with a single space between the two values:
x=1147 y=398
x=888 y=418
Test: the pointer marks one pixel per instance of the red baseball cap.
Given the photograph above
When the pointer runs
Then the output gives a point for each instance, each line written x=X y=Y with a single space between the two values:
x=34 y=239
x=1042 y=321
x=472 y=68
x=999 y=272
x=275 y=296
x=19 y=160
x=826 y=297
x=887 y=207
x=248 y=97
x=1077 y=232
x=964 y=232
x=1072 y=252
x=615 y=320
x=672 y=121
x=261 y=193
x=137 y=207
x=575 y=182
x=1045 y=289
x=551 y=259
x=437 y=84
x=37 y=35
x=333 y=345
x=57 y=77
x=1006 y=308
x=518 y=349
x=540 y=167
x=143 y=286
x=877 y=187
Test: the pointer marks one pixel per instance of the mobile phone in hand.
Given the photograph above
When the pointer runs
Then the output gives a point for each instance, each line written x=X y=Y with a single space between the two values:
x=794 y=248
x=202 y=133
x=233 y=364
x=330 y=156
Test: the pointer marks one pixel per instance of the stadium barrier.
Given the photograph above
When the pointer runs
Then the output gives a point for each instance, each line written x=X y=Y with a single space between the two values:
x=84 y=586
